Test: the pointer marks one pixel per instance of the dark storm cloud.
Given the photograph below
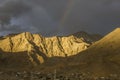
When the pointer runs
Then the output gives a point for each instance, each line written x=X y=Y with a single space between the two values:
x=11 y=9
x=94 y=16
x=20 y=15
x=47 y=16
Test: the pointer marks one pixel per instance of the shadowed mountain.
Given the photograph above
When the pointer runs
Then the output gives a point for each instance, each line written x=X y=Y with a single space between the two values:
x=88 y=37
x=20 y=60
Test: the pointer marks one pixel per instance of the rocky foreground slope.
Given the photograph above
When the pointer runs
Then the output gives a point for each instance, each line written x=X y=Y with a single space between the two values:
x=33 y=49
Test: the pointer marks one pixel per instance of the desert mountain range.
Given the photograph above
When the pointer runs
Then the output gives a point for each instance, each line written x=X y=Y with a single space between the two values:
x=78 y=52
x=36 y=48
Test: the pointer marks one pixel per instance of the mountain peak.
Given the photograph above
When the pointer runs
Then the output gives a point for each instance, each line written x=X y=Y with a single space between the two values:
x=27 y=35
x=87 y=37
x=117 y=30
x=80 y=33
x=36 y=48
x=115 y=34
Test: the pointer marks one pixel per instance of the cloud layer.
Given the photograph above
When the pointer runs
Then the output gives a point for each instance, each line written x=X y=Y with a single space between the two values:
x=59 y=17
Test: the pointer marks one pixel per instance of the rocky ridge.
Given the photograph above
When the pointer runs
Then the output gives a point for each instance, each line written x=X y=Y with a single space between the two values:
x=34 y=48
x=50 y=46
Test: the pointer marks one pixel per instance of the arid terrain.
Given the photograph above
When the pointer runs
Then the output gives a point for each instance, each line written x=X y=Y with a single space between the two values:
x=33 y=49
x=79 y=54
x=59 y=39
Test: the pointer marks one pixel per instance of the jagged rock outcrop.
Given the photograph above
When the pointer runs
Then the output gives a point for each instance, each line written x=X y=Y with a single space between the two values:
x=50 y=46
x=37 y=48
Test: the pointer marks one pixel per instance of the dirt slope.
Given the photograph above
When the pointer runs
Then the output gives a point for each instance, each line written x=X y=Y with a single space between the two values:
x=102 y=58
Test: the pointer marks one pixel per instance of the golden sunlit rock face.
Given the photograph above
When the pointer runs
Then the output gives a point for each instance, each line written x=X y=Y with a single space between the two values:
x=37 y=48
x=51 y=46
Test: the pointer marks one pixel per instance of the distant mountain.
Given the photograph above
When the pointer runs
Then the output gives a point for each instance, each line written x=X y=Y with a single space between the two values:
x=26 y=49
x=87 y=37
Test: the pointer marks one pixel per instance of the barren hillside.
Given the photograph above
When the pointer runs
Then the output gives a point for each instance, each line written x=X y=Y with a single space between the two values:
x=25 y=49
x=102 y=58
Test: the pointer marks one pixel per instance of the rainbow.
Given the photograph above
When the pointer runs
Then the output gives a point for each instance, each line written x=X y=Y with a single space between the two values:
x=67 y=12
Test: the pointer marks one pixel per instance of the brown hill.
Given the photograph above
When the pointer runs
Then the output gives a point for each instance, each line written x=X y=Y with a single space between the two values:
x=102 y=58
x=32 y=49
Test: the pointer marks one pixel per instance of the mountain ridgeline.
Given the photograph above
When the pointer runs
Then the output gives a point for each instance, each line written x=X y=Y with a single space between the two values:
x=33 y=49
x=79 y=52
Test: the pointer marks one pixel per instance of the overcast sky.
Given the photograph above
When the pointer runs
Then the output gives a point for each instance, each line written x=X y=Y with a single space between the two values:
x=59 y=17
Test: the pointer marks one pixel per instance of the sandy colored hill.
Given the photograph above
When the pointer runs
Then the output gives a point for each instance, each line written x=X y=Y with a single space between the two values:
x=33 y=49
x=102 y=58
